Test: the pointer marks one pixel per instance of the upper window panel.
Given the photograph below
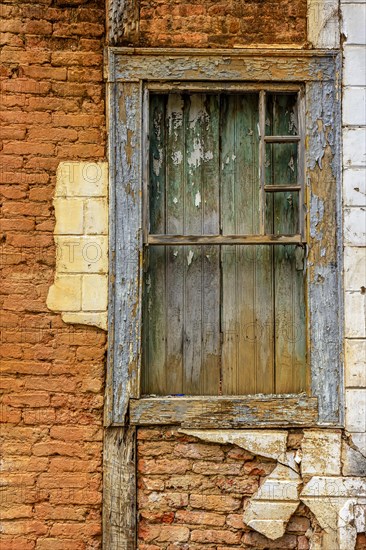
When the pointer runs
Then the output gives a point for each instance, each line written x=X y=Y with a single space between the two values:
x=222 y=317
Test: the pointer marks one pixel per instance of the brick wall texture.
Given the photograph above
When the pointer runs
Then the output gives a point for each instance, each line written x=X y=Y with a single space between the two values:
x=226 y=24
x=52 y=109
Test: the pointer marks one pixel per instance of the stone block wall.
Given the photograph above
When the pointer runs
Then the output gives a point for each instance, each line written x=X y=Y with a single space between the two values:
x=52 y=374
x=354 y=201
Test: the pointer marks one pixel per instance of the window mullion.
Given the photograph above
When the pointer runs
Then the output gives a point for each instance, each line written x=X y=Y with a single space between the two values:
x=262 y=122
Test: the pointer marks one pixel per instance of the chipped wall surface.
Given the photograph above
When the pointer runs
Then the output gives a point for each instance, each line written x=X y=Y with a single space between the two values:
x=208 y=23
x=354 y=202
x=80 y=289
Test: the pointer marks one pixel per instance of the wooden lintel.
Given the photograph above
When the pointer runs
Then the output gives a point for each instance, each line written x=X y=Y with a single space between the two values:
x=180 y=240
x=226 y=412
x=281 y=139
x=204 y=86
x=283 y=188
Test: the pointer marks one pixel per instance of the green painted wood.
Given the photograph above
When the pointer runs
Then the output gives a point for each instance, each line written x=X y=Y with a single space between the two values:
x=289 y=294
x=246 y=271
x=204 y=179
x=154 y=303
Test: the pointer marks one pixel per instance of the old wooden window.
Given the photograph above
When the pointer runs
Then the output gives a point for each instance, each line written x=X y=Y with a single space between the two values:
x=202 y=244
x=224 y=303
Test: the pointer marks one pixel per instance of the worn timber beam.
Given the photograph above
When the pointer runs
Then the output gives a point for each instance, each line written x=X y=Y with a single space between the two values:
x=225 y=412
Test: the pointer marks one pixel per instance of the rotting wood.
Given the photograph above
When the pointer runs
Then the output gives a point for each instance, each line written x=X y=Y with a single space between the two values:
x=136 y=64
x=181 y=240
x=119 y=489
x=222 y=412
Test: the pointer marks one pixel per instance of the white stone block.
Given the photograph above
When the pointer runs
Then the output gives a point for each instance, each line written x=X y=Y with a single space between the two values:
x=355 y=226
x=354 y=267
x=354 y=23
x=81 y=254
x=337 y=487
x=353 y=461
x=96 y=217
x=355 y=314
x=355 y=363
x=354 y=187
x=94 y=292
x=354 y=73
x=69 y=216
x=268 y=443
x=354 y=106
x=354 y=146
x=82 y=179
x=99 y=320
x=321 y=453
x=65 y=293
x=323 y=24
x=359 y=439
x=356 y=410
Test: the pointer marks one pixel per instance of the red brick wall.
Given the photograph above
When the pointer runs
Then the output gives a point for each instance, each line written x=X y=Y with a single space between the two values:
x=225 y=24
x=194 y=493
x=52 y=109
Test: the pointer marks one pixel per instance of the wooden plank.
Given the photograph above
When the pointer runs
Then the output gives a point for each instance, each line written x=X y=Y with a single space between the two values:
x=222 y=65
x=211 y=287
x=175 y=257
x=219 y=87
x=119 y=488
x=125 y=350
x=289 y=293
x=222 y=412
x=201 y=214
x=154 y=300
x=281 y=188
x=182 y=240
x=281 y=139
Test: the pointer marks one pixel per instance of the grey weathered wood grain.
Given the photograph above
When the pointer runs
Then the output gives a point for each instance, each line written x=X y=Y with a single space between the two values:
x=224 y=412
x=126 y=347
x=119 y=488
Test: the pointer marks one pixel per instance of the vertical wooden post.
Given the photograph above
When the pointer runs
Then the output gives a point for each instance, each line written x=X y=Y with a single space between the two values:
x=119 y=489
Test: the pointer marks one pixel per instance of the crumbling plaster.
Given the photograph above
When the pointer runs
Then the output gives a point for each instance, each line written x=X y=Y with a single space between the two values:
x=317 y=475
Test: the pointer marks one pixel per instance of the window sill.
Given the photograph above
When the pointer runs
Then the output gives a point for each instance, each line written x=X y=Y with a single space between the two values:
x=273 y=411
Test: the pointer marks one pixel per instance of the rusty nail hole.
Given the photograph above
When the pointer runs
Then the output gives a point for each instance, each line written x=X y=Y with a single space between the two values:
x=363 y=290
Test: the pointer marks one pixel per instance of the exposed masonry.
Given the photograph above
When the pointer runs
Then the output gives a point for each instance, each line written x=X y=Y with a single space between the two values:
x=80 y=290
x=318 y=475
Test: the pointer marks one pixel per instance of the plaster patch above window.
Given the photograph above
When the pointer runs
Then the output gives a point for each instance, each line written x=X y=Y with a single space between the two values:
x=80 y=289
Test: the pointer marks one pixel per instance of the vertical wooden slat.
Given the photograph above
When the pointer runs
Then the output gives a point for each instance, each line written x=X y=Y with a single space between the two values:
x=128 y=248
x=211 y=337
x=154 y=286
x=175 y=256
x=201 y=272
x=290 y=375
x=119 y=488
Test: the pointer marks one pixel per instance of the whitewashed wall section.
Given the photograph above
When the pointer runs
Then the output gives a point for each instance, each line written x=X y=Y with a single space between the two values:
x=354 y=202
x=80 y=289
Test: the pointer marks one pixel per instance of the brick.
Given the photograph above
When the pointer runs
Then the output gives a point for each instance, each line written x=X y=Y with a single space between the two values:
x=161 y=533
x=215 y=536
x=21 y=148
x=83 y=59
x=45 y=73
x=57 y=544
x=215 y=502
x=163 y=466
x=200 y=518
x=257 y=541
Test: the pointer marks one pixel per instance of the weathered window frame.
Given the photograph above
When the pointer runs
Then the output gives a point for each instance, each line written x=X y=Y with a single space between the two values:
x=128 y=71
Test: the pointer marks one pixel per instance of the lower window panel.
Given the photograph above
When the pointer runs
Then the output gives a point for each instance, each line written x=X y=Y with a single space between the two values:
x=224 y=320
